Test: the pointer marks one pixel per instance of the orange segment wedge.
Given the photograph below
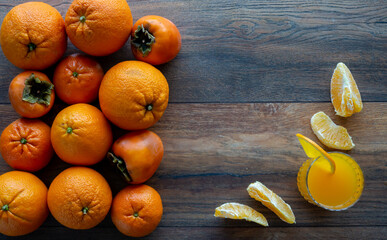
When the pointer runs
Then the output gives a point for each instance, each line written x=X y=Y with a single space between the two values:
x=345 y=95
x=312 y=150
x=261 y=193
x=240 y=211
x=330 y=134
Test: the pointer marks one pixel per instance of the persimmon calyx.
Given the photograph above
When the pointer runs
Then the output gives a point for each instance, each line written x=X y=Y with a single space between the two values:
x=143 y=40
x=120 y=165
x=37 y=91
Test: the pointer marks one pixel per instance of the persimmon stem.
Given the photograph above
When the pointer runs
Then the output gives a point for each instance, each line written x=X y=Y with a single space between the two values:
x=143 y=40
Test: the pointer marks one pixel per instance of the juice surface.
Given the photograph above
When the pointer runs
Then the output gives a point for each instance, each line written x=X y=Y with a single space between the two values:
x=333 y=189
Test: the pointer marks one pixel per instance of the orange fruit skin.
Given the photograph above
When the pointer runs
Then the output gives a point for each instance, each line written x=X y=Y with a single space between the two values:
x=26 y=197
x=37 y=23
x=167 y=40
x=89 y=139
x=137 y=199
x=128 y=89
x=32 y=155
x=142 y=152
x=75 y=189
x=81 y=88
x=26 y=109
x=106 y=27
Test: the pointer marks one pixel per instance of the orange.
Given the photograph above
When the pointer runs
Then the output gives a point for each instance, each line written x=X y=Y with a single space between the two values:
x=345 y=95
x=99 y=27
x=268 y=198
x=81 y=135
x=240 y=211
x=25 y=144
x=31 y=94
x=77 y=79
x=79 y=198
x=23 y=202
x=133 y=95
x=33 y=36
x=137 y=210
x=330 y=134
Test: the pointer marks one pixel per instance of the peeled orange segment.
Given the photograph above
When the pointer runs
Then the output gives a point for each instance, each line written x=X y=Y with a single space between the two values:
x=261 y=193
x=313 y=151
x=345 y=95
x=240 y=211
x=330 y=134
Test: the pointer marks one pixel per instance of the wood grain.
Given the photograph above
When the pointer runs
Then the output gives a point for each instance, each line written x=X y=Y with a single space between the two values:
x=259 y=51
x=213 y=152
x=252 y=232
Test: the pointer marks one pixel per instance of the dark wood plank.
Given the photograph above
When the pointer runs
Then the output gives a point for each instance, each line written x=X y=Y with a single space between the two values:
x=222 y=233
x=213 y=152
x=259 y=51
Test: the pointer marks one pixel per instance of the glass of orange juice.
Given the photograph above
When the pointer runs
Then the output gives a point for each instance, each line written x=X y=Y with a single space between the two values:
x=333 y=181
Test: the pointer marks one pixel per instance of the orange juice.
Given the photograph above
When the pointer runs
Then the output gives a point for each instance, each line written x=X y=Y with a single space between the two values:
x=333 y=191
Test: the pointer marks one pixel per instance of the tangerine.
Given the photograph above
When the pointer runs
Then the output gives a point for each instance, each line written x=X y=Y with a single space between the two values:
x=25 y=144
x=137 y=210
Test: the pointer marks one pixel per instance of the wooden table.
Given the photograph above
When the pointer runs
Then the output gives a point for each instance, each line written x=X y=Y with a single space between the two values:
x=249 y=76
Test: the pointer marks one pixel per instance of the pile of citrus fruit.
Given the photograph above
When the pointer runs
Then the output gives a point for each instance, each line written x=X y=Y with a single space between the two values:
x=133 y=95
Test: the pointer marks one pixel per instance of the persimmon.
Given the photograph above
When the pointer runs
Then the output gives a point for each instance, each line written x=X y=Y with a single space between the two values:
x=25 y=144
x=137 y=155
x=31 y=94
x=155 y=40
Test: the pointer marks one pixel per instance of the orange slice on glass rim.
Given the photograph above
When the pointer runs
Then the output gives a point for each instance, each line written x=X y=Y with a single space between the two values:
x=314 y=151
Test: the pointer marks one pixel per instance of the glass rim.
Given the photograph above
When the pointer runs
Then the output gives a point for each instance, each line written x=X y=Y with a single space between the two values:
x=349 y=200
